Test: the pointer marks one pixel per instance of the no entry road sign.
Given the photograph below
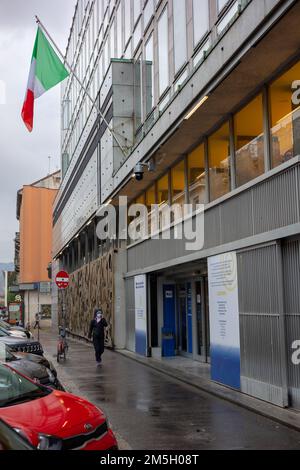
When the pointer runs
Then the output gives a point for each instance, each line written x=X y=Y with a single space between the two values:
x=62 y=280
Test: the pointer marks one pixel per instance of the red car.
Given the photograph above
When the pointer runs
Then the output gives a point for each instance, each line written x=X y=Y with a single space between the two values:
x=50 y=419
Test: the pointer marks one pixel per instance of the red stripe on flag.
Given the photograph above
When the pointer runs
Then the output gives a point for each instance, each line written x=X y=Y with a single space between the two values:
x=27 y=110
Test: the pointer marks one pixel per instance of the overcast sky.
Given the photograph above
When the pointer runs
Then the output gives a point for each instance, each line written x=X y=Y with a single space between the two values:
x=24 y=156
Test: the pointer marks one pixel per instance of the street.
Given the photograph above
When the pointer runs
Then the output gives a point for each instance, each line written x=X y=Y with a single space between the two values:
x=148 y=410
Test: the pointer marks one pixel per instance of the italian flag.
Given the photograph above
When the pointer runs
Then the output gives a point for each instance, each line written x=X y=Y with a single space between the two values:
x=46 y=71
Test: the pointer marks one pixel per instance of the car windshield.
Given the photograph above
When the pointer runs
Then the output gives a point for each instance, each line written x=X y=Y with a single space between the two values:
x=3 y=332
x=5 y=354
x=15 y=389
x=5 y=325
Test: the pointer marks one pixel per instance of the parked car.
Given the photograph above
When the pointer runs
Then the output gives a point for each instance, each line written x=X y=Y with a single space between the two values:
x=21 y=344
x=11 y=439
x=15 y=330
x=51 y=419
x=35 y=370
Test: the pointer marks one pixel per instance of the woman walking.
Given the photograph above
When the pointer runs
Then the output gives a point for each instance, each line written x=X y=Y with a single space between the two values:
x=97 y=332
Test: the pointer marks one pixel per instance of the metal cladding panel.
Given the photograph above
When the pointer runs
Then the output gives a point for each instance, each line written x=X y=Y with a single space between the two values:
x=275 y=202
x=258 y=281
x=291 y=267
x=212 y=228
x=130 y=314
x=236 y=218
x=261 y=368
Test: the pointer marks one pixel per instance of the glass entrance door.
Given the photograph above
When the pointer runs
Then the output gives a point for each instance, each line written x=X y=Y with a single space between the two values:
x=202 y=318
x=185 y=318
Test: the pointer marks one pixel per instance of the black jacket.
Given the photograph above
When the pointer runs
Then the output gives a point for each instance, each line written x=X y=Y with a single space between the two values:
x=97 y=329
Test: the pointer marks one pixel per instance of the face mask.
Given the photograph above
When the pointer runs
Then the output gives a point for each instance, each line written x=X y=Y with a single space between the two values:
x=98 y=318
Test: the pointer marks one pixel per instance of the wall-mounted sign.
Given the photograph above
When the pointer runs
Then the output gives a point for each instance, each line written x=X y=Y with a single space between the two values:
x=224 y=319
x=140 y=294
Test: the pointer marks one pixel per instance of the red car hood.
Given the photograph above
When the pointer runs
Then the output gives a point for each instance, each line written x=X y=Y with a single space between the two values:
x=58 y=414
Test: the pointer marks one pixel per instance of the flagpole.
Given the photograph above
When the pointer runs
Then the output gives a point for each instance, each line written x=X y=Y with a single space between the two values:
x=95 y=105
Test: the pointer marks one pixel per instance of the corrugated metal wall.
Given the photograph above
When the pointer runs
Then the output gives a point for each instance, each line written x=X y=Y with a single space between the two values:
x=261 y=368
x=130 y=314
x=291 y=269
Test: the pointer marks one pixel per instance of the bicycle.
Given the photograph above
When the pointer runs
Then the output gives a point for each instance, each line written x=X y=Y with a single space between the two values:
x=62 y=346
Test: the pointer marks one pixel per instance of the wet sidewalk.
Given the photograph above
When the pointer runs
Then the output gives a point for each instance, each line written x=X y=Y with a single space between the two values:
x=151 y=410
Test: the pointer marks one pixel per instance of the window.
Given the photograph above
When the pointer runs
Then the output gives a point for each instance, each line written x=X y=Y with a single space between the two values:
x=180 y=40
x=137 y=93
x=149 y=75
x=119 y=31
x=148 y=13
x=285 y=117
x=221 y=4
x=228 y=17
x=112 y=40
x=127 y=20
x=150 y=197
x=178 y=184
x=150 y=201
x=200 y=19
x=137 y=35
x=249 y=141
x=219 y=171
x=163 y=200
x=136 y=10
x=163 y=52
x=196 y=176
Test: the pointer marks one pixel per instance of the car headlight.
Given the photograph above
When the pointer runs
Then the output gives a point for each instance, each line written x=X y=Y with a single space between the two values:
x=47 y=442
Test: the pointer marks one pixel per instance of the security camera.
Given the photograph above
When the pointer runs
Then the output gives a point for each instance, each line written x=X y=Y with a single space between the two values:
x=139 y=172
x=139 y=169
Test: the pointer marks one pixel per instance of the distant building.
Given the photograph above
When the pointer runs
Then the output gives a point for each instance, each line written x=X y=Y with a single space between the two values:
x=33 y=244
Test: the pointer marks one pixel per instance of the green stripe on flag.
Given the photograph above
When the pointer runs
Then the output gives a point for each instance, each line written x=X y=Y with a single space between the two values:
x=49 y=69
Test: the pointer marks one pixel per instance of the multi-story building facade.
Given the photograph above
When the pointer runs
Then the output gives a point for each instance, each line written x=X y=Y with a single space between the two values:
x=209 y=91
x=33 y=245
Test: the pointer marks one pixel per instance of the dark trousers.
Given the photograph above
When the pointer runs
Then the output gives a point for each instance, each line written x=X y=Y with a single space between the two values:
x=99 y=348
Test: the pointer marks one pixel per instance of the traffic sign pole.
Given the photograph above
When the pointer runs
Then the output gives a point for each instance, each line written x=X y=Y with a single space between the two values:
x=62 y=281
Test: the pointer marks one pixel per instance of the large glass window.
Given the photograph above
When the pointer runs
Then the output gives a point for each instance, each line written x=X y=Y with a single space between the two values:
x=180 y=41
x=136 y=10
x=285 y=117
x=149 y=75
x=163 y=51
x=200 y=19
x=148 y=12
x=127 y=20
x=249 y=141
x=178 y=184
x=151 y=201
x=219 y=168
x=221 y=4
x=196 y=176
x=119 y=31
x=137 y=93
x=163 y=200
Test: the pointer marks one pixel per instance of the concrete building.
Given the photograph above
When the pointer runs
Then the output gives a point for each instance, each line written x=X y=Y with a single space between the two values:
x=209 y=92
x=34 y=244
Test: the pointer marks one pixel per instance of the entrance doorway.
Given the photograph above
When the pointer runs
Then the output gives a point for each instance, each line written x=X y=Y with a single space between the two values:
x=202 y=319
x=185 y=318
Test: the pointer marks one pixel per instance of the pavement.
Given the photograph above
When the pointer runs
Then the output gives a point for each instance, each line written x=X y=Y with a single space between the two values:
x=150 y=410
